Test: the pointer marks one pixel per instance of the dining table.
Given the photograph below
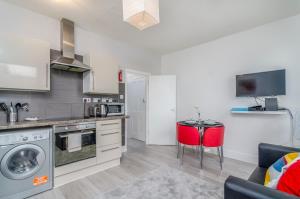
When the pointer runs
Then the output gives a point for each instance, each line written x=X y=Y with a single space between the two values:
x=201 y=124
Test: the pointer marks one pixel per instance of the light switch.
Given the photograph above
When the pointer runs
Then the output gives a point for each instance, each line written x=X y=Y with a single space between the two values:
x=121 y=97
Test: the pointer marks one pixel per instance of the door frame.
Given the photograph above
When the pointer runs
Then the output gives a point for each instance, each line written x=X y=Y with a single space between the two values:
x=147 y=75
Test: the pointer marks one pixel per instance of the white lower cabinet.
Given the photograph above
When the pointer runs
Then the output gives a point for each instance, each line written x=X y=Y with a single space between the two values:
x=109 y=140
x=109 y=137
x=108 y=153
x=108 y=125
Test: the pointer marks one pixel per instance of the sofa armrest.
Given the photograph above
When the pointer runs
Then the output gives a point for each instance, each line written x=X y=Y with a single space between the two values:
x=236 y=188
x=269 y=153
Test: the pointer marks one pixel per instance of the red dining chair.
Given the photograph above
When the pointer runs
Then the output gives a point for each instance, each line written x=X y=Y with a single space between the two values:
x=213 y=137
x=187 y=135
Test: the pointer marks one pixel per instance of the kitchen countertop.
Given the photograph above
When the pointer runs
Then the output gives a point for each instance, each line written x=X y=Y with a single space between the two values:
x=52 y=122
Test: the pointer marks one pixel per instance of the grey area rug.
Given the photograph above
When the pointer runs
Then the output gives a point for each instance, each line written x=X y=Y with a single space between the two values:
x=167 y=183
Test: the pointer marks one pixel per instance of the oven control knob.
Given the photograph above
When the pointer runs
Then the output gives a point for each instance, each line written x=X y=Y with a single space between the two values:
x=66 y=128
x=25 y=138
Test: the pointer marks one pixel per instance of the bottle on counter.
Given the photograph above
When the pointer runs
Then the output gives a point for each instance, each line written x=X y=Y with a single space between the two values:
x=12 y=114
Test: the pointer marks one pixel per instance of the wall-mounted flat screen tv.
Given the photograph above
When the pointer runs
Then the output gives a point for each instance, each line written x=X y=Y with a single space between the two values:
x=270 y=83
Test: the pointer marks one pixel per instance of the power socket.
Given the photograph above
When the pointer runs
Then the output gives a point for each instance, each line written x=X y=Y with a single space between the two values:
x=96 y=100
x=86 y=100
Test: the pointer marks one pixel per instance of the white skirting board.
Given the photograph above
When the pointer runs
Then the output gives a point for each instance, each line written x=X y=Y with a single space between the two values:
x=246 y=157
x=124 y=149
x=70 y=177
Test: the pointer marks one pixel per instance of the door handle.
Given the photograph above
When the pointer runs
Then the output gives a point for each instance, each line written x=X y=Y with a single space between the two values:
x=110 y=133
x=107 y=124
x=93 y=76
x=110 y=149
x=47 y=74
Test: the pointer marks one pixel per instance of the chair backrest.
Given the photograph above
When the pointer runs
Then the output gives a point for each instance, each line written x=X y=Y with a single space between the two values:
x=188 y=135
x=213 y=136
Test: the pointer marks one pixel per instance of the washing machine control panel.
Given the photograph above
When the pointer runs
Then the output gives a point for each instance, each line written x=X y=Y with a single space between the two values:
x=23 y=137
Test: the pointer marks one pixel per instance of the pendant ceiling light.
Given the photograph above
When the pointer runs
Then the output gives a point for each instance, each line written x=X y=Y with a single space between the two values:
x=141 y=13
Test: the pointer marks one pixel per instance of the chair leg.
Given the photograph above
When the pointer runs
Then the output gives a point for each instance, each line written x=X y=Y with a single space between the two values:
x=201 y=158
x=182 y=153
x=220 y=156
x=178 y=149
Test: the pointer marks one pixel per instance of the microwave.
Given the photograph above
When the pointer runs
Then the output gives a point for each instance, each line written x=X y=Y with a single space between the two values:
x=115 y=109
x=107 y=109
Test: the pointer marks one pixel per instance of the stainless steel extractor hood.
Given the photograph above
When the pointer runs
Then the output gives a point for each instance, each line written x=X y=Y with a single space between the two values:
x=67 y=60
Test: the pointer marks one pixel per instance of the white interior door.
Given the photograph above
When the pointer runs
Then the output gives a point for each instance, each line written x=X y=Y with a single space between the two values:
x=162 y=110
x=136 y=105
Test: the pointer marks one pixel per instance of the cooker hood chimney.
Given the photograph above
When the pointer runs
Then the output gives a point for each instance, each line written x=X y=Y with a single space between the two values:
x=67 y=60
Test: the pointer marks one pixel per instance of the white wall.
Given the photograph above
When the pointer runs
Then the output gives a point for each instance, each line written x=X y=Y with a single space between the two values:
x=23 y=22
x=206 y=77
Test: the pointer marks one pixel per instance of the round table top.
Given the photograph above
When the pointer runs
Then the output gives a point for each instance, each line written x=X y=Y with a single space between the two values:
x=201 y=124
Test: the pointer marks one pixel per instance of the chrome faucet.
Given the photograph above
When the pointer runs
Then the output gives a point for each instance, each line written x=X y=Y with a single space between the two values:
x=19 y=106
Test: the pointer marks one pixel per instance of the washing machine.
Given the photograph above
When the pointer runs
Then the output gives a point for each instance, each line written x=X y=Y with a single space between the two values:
x=25 y=162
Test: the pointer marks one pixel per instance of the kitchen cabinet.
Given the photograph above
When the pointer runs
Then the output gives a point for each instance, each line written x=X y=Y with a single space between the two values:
x=24 y=64
x=109 y=138
x=103 y=76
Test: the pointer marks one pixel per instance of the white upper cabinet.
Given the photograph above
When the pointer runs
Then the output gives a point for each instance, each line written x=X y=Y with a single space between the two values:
x=103 y=77
x=24 y=64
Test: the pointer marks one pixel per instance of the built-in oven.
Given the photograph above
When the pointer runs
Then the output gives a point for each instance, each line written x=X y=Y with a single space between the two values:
x=74 y=143
x=115 y=109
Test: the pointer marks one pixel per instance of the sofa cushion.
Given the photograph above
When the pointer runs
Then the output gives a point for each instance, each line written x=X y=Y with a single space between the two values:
x=258 y=175
x=276 y=170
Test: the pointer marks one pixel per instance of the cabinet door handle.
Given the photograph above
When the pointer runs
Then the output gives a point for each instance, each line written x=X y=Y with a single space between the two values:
x=109 y=124
x=93 y=76
x=110 y=133
x=110 y=149
x=47 y=74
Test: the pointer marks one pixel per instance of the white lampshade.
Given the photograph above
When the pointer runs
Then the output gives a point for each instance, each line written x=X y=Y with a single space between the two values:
x=141 y=13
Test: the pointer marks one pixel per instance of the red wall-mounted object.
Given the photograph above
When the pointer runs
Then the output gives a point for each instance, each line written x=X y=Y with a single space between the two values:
x=120 y=76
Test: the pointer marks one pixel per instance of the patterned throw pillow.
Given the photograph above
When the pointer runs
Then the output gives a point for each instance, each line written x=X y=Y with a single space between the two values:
x=277 y=169
x=290 y=180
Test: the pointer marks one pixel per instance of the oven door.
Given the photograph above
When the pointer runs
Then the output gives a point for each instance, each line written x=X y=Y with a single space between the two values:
x=74 y=146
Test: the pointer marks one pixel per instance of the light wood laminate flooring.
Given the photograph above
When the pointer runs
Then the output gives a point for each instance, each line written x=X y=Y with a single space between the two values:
x=141 y=159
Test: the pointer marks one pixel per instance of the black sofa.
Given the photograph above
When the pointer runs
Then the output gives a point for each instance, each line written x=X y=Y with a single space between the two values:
x=253 y=188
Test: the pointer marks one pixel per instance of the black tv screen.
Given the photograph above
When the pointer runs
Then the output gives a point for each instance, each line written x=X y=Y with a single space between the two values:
x=269 y=83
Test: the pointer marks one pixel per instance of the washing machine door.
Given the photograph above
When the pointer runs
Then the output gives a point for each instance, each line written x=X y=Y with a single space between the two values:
x=22 y=161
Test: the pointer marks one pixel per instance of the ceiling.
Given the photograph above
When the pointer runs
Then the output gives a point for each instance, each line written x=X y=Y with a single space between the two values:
x=184 y=23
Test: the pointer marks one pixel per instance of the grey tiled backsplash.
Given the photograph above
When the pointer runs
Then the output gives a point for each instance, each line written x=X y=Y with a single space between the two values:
x=64 y=100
